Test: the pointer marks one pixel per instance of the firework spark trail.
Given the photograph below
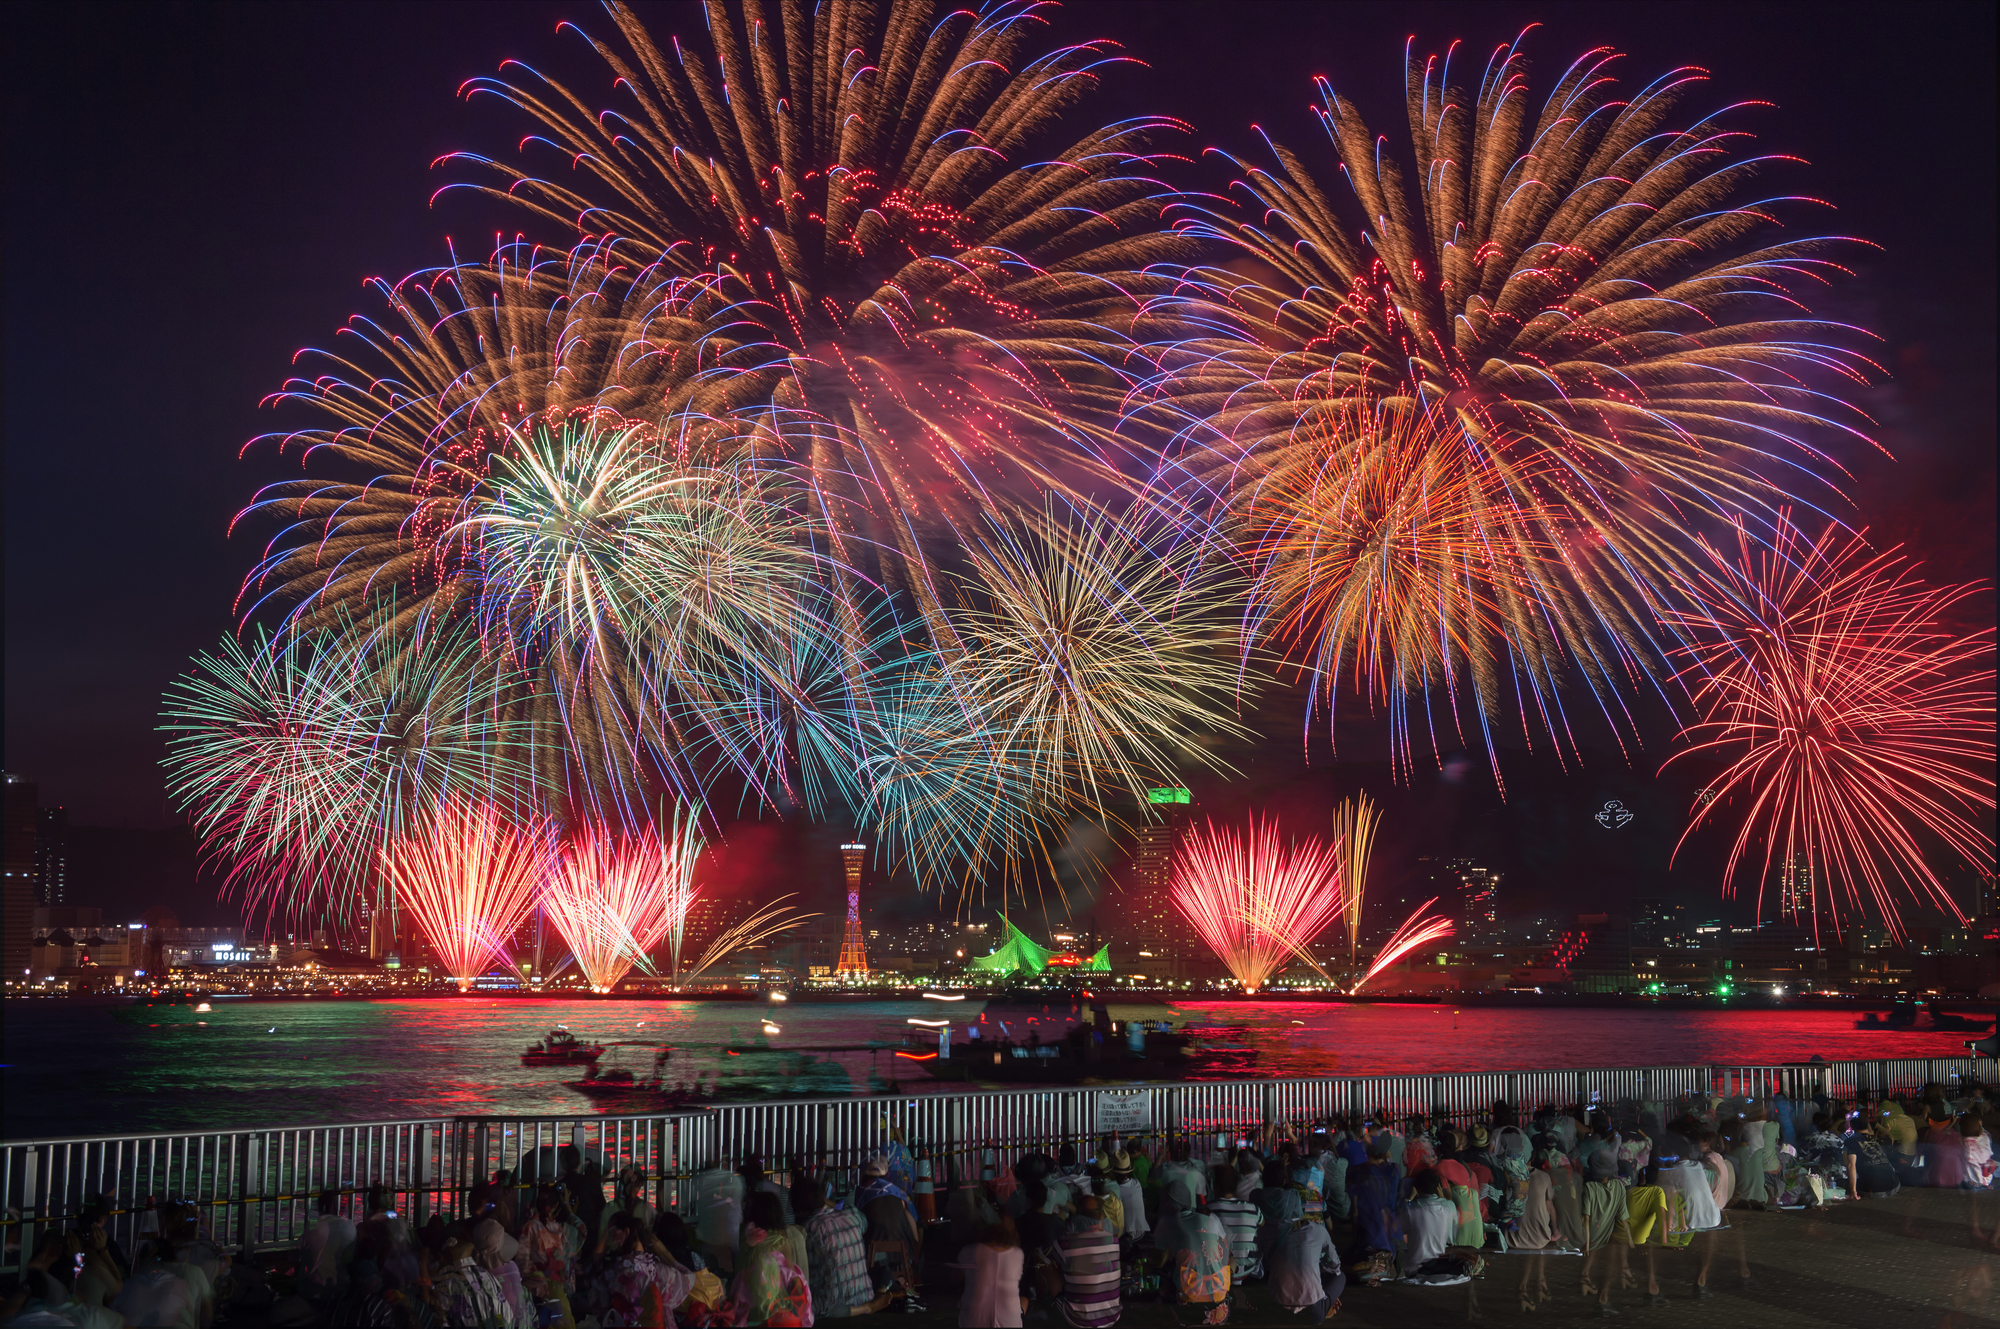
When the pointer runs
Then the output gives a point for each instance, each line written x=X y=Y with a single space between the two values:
x=1354 y=824
x=1415 y=932
x=834 y=202
x=753 y=930
x=1857 y=726
x=1576 y=292
x=298 y=757
x=470 y=874
x=1256 y=903
x=615 y=896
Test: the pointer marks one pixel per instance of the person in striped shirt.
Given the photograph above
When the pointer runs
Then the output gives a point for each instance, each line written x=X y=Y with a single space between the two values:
x=1240 y=1220
x=1090 y=1268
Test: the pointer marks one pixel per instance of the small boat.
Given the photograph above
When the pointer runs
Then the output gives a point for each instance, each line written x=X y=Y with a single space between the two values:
x=619 y=1090
x=561 y=1048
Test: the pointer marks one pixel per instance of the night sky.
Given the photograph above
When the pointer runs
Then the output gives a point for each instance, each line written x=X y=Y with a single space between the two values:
x=196 y=191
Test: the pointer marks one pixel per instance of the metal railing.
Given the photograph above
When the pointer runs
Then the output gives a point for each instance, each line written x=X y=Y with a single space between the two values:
x=259 y=1187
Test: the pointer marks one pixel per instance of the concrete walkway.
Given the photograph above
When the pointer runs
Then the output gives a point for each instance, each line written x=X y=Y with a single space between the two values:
x=1871 y=1264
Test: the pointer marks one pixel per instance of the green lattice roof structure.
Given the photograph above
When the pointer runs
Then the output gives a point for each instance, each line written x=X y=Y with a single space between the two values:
x=1020 y=954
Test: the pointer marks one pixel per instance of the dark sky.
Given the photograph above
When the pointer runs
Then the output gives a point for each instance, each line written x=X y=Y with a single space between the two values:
x=196 y=191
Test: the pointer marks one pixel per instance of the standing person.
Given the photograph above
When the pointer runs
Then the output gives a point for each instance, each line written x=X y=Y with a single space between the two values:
x=1305 y=1271
x=1943 y=1149
x=1539 y=1228
x=992 y=1268
x=836 y=1258
x=1374 y=1186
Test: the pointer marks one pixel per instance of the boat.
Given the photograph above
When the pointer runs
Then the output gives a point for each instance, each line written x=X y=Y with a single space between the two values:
x=619 y=1087
x=561 y=1048
x=1032 y=1039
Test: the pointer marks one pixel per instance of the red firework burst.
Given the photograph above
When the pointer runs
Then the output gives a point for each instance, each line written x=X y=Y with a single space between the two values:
x=1857 y=726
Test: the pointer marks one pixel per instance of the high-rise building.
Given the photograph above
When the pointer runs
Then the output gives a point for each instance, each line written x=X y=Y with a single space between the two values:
x=1795 y=887
x=853 y=962
x=52 y=856
x=1462 y=883
x=17 y=899
x=1146 y=919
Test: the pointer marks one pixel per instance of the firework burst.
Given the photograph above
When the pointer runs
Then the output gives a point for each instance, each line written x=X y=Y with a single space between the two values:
x=1574 y=305
x=835 y=196
x=1093 y=655
x=614 y=897
x=1256 y=903
x=1856 y=727
x=469 y=874
x=297 y=758
x=1392 y=550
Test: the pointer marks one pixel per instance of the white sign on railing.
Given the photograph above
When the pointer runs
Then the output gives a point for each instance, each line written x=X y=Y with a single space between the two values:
x=1124 y=1114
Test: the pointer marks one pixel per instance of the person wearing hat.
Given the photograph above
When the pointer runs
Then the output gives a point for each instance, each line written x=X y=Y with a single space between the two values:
x=1131 y=1197
x=469 y=1288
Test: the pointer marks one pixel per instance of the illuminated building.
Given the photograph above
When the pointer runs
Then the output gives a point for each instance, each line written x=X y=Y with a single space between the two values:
x=1795 y=887
x=853 y=962
x=52 y=856
x=1147 y=919
x=17 y=906
x=1019 y=955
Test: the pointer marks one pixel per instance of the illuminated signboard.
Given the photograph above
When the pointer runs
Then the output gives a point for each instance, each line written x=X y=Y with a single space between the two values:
x=1168 y=796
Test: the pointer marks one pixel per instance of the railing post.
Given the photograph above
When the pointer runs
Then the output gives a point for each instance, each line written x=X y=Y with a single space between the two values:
x=420 y=1179
x=252 y=1186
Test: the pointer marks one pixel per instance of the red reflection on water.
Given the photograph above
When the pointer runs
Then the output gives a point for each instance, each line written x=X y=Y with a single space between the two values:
x=1395 y=1039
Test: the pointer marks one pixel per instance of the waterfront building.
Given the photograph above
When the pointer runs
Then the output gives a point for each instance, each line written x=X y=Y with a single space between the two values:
x=1151 y=935
x=51 y=855
x=17 y=889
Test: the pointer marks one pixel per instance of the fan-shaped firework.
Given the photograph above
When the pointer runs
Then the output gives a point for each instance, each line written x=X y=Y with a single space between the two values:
x=1354 y=824
x=1416 y=931
x=297 y=758
x=469 y=873
x=614 y=897
x=1571 y=303
x=753 y=929
x=914 y=313
x=1256 y=902
x=1093 y=654
x=1857 y=726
